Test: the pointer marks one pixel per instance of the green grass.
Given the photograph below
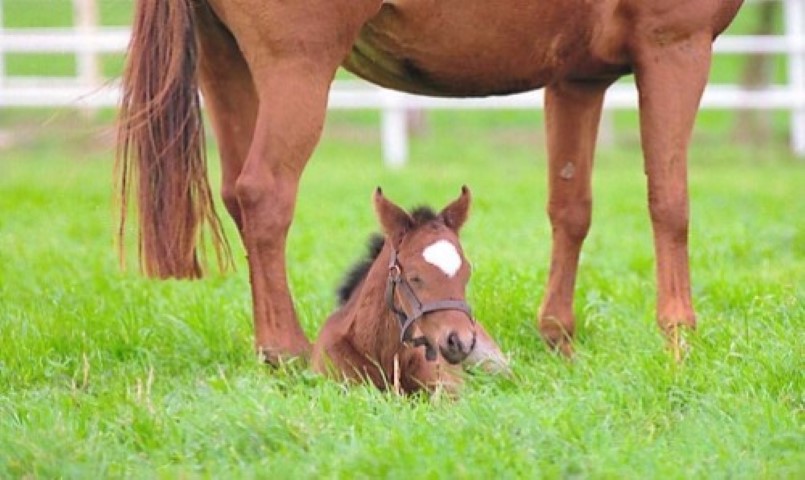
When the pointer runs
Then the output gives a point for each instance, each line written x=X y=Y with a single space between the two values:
x=106 y=374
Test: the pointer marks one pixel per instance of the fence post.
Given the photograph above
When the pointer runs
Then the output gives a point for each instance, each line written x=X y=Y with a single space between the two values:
x=85 y=15
x=794 y=14
x=2 y=54
x=606 y=129
x=394 y=129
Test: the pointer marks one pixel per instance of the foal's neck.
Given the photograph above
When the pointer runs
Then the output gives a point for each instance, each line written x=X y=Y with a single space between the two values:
x=374 y=333
x=374 y=327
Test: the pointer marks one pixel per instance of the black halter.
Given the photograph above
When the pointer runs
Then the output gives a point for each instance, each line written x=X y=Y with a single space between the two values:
x=418 y=309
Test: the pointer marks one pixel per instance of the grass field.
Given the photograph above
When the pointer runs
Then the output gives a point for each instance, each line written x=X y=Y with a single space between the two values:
x=106 y=374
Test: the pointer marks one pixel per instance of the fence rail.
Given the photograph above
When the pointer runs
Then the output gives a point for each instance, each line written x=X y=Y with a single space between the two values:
x=86 y=91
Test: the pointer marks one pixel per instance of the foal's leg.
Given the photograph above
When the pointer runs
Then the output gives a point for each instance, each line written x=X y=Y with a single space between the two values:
x=339 y=359
x=422 y=374
x=573 y=111
x=486 y=354
x=671 y=78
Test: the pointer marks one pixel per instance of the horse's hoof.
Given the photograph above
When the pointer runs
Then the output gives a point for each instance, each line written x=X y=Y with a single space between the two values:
x=558 y=337
x=676 y=337
x=278 y=357
x=563 y=347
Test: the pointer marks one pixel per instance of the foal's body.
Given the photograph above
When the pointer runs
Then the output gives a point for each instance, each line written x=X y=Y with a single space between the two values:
x=360 y=341
x=265 y=68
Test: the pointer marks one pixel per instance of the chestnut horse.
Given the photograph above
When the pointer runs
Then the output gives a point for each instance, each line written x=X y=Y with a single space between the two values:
x=403 y=321
x=265 y=69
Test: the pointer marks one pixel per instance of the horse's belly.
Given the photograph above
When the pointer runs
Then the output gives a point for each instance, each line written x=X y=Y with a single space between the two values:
x=472 y=47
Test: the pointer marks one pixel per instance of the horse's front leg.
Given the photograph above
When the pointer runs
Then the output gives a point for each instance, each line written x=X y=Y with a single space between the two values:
x=573 y=111
x=671 y=78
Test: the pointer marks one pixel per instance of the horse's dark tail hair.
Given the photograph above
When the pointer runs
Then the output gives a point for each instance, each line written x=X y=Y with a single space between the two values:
x=161 y=144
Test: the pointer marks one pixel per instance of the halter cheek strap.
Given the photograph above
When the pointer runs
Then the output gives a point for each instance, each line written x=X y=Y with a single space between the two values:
x=417 y=308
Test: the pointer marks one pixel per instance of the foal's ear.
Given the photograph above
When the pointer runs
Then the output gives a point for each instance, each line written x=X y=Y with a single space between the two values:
x=455 y=214
x=393 y=219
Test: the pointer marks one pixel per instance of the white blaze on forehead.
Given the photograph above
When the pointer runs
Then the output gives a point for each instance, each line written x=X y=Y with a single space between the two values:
x=444 y=255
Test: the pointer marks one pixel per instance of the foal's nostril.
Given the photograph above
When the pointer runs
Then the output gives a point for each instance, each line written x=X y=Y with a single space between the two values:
x=453 y=342
x=455 y=350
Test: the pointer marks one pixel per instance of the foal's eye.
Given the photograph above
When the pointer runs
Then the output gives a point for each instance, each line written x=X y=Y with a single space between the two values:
x=416 y=280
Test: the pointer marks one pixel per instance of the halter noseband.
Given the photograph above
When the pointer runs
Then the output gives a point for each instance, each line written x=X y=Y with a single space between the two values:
x=418 y=309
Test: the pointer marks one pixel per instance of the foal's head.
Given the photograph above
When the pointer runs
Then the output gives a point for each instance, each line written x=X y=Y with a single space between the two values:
x=428 y=276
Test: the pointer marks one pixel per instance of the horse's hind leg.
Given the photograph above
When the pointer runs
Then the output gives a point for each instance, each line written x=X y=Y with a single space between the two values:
x=230 y=100
x=671 y=78
x=573 y=111
x=292 y=50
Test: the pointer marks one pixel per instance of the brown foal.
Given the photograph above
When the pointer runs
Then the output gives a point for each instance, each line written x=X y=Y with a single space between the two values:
x=265 y=68
x=403 y=320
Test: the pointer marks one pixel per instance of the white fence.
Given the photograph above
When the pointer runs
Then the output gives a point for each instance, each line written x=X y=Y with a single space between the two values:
x=86 y=40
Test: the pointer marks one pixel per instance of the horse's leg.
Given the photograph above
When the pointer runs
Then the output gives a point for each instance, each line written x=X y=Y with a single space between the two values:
x=670 y=77
x=289 y=122
x=231 y=101
x=293 y=50
x=572 y=114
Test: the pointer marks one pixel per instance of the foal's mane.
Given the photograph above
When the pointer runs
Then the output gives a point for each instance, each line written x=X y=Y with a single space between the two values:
x=359 y=270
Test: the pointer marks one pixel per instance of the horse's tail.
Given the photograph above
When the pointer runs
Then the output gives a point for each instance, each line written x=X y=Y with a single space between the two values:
x=161 y=144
